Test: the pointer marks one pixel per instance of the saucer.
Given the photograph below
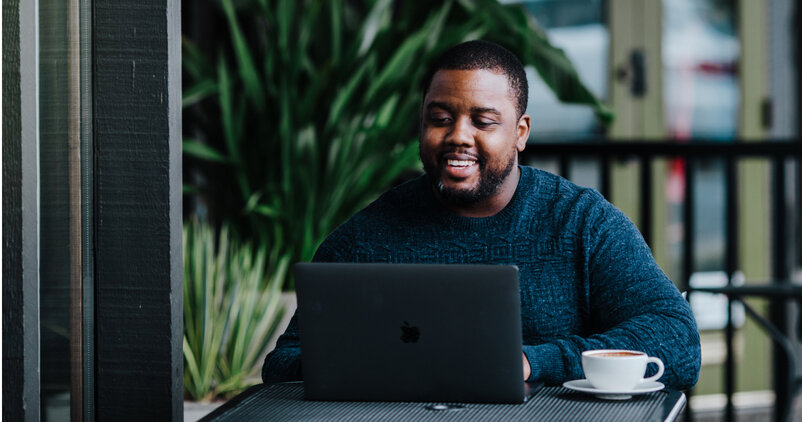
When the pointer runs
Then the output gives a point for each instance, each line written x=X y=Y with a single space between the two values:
x=584 y=386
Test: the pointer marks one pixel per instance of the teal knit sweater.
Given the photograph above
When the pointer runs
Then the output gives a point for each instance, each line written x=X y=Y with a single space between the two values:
x=587 y=278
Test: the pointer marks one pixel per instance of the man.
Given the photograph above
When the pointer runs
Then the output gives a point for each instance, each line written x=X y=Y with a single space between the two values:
x=587 y=278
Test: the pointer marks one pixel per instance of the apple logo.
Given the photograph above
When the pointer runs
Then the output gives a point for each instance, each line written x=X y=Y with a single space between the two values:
x=409 y=334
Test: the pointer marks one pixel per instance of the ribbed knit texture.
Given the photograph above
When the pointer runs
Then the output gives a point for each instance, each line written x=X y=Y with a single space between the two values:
x=587 y=278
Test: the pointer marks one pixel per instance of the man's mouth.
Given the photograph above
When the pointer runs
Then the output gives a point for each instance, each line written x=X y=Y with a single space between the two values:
x=460 y=163
x=459 y=166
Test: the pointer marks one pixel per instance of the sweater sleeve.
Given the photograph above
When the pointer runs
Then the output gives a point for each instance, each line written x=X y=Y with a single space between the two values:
x=284 y=362
x=631 y=304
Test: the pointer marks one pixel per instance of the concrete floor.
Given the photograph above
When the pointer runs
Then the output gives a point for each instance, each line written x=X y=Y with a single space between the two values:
x=193 y=411
x=745 y=414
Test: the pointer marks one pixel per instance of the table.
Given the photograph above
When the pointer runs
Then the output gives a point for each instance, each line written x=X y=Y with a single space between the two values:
x=285 y=402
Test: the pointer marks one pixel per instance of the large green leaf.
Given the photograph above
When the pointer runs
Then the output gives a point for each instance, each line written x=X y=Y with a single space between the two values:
x=245 y=63
x=200 y=150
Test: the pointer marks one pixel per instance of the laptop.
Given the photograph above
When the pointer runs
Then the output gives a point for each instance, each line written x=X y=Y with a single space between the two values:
x=411 y=332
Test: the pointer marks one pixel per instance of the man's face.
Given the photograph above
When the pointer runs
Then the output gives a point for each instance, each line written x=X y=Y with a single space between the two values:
x=471 y=135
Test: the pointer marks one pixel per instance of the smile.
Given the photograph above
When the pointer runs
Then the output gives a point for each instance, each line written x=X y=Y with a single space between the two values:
x=461 y=163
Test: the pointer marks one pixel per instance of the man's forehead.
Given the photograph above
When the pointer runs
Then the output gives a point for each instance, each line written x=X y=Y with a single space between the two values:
x=454 y=75
x=488 y=83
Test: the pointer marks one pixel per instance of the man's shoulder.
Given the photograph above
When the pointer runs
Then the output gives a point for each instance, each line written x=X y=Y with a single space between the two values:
x=397 y=200
x=552 y=188
x=558 y=204
x=410 y=189
x=393 y=210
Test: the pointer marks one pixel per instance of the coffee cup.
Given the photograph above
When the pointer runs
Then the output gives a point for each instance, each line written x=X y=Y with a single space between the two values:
x=618 y=370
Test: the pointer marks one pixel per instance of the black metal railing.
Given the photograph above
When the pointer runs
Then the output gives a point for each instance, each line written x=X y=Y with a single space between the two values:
x=779 y=290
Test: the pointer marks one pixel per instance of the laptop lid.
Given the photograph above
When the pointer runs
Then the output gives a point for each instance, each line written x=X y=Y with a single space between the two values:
x=410 y=332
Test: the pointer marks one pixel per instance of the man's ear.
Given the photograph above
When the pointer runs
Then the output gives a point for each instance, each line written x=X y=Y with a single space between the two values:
x=523 y=132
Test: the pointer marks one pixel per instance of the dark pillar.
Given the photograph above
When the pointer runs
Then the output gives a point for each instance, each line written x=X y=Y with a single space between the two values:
x=138 y=267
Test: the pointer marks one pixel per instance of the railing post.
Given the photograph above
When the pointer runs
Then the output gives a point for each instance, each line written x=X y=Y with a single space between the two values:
x=646 y=198
x=564 y=166
x=778 y=314
x=731 y=266
x=688 y=250
x=605 y=175
x=689 y=226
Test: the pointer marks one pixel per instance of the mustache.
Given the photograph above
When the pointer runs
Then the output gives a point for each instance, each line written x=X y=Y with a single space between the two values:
x=460 y=154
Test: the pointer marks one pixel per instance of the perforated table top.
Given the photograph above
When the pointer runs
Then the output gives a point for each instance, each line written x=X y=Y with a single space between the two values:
x=285 y=402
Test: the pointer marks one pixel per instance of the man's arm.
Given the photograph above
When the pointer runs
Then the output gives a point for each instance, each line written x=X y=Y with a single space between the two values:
x=284 y=362
x=656 y=333
x=631 y=305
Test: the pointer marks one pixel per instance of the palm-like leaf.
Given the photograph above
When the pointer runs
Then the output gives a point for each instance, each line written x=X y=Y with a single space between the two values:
x=231 y=311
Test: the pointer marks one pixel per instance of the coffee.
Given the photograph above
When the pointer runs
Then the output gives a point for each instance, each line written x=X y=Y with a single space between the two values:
x=618 y=354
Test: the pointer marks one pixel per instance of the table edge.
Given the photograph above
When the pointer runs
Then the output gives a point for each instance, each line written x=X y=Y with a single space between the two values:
x=673 y=414
x=223 y=408
x=670 y=414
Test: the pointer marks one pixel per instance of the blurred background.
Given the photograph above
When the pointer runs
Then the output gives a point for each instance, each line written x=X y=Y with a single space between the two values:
x=339 y=85
x=298 y=113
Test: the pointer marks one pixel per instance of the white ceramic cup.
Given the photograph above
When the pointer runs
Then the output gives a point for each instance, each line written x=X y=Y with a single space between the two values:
x=618 y=370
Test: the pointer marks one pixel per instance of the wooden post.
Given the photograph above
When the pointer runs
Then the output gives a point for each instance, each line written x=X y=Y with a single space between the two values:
x=138 y=260
x=20 y=212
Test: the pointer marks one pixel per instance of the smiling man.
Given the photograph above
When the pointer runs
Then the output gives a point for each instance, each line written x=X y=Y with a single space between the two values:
x=473 y=127
x=587 y=278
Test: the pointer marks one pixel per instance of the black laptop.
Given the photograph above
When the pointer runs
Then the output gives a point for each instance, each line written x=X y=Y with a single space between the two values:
x=411 y=332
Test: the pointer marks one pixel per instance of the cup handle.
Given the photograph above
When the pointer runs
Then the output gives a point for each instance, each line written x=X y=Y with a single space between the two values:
x=660 y=369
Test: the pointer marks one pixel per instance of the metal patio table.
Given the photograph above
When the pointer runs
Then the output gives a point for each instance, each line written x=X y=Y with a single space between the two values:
x=285 y=402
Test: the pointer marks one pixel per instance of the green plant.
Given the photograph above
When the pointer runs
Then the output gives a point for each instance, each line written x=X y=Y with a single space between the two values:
x=309 y=109
x=231 y=310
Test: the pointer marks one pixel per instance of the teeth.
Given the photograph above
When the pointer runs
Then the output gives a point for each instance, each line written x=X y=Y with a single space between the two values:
x=460 y=163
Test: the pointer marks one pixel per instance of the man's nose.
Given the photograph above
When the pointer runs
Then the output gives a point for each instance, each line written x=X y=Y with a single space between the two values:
x=461 y=133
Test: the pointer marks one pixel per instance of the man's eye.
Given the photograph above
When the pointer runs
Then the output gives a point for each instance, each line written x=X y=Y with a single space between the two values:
x=440 y=119
x=482 y=123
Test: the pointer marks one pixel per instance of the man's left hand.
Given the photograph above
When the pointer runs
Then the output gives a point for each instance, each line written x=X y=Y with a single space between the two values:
x=527 y=368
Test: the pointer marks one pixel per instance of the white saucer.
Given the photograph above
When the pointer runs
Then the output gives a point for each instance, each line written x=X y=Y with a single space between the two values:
x=585 y=387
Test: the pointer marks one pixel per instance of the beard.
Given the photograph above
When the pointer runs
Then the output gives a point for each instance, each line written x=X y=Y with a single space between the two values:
x=490 y=180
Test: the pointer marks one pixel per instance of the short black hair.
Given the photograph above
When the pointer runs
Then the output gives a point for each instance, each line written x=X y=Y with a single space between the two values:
x=486 y=55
